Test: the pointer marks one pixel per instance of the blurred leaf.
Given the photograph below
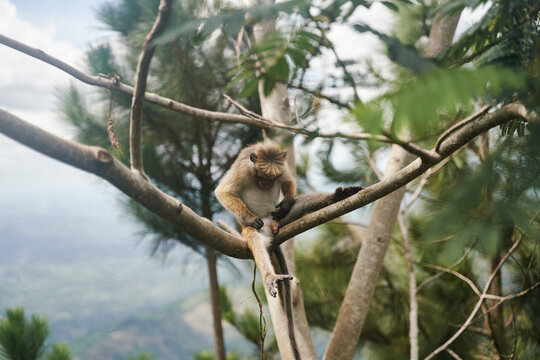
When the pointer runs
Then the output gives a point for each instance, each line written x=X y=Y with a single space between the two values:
x=404 y=55
x=62 y=352
x=416 y=105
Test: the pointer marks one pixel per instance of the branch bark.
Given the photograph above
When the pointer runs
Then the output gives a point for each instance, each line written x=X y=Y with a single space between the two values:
x=98 y=161
x=246 y=119
x=148 y=49
x=354 y=308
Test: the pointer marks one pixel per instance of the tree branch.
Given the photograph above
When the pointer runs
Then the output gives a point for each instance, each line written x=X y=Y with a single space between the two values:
x=416 y=168
x=98 y=161
x=147 y=52
x=258 y=121
x=478 y=303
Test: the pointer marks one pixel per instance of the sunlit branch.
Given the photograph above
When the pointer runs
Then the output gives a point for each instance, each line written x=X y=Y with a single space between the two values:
x=384 y=187
x=98 y=161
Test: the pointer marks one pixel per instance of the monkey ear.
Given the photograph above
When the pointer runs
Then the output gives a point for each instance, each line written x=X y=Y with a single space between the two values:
x=253 y=157
x=282 y=156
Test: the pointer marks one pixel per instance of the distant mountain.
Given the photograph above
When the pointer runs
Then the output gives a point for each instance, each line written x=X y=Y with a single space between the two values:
x=176 y=331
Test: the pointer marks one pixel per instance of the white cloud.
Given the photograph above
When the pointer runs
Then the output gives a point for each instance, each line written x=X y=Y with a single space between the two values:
x=27 y=84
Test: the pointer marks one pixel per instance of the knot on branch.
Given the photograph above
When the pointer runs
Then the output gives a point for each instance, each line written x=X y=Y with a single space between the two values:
x=104 y=157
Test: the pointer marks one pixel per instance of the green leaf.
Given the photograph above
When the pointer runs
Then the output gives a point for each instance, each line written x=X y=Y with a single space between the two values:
x=390 y=5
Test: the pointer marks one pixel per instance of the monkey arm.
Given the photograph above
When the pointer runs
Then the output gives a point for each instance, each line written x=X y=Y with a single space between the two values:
x=236 y=206
x=288 y=189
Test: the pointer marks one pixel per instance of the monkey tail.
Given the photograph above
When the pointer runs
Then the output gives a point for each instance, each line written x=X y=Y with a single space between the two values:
x=288 y=302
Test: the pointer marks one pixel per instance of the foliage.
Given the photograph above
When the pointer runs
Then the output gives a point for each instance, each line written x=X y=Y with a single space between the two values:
x=62 y=352
x=24 y=339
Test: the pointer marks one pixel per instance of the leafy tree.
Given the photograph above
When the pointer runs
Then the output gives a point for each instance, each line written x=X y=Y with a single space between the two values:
x=481 y=223
x=24 y=339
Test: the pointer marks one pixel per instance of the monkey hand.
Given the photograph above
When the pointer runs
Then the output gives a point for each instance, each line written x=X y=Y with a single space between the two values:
x=343 y=193
x=253 y=221
x=271 y=281
x=283 y=209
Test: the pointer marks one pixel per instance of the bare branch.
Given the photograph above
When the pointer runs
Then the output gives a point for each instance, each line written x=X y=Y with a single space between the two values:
x=98 y=161
x=91 y=159
x=147 y=52
x=478 y=303
x=116 y=85
x=457 y=274
x=413 y=312
x=416 y=168
x=459 y=125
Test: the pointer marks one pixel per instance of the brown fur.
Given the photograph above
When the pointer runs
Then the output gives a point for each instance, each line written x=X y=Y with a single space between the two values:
x=251 y=190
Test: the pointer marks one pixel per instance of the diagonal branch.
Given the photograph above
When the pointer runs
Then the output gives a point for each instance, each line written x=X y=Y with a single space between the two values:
x=407 y=174
x=99 y=162
x=481 y=298
x=147 y=52
x=247 y=118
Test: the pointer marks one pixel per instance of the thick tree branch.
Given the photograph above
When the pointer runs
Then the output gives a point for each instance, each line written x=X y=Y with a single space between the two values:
x=147 y=52
x=99 y=162
x=376 y=191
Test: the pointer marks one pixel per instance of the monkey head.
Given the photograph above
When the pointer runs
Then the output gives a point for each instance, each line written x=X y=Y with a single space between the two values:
x=269 y=162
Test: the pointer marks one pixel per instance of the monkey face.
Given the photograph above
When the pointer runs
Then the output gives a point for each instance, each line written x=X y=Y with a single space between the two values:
x=265 y=183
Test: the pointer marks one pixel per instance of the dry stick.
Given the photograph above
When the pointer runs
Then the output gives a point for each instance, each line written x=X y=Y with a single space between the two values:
x=478 y=303
x=459 y=125
x=143 y=66
x=262 y=320
x=413 y=312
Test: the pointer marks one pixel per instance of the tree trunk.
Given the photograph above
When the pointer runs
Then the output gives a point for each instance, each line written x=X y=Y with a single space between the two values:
x=361 y=286
x=366 y=270
x=276 y=106
x=219 y=343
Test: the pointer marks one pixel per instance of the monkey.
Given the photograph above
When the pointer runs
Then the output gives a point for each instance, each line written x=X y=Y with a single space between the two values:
x=250 y=190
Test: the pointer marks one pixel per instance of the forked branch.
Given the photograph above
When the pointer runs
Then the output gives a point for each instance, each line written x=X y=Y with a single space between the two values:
x=98 y=161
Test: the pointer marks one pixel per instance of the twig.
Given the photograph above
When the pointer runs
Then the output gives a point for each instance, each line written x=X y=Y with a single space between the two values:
x=318 y=94
x=459 y=275
x=418 y=190
x=413 y=312
x=478 y=303
x=453 y=354
x=262 y=320
x=436 y=276
x=459 y=125
x=143 y=66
